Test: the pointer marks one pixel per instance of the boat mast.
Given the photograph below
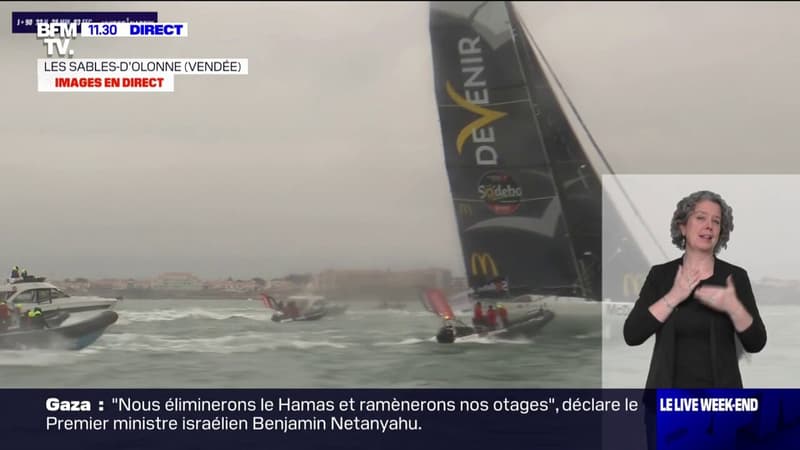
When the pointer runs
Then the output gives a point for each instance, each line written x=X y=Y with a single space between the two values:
x=514 y=24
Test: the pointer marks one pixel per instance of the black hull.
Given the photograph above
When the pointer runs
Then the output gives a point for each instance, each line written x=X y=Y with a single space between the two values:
x=71 y=337
x=312 y=315
x=448 y=335
x=55 y=318
x=281 y=317
x=526 y=327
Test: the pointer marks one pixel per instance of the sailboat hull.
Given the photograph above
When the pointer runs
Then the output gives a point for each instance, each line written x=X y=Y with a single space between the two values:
x=526 y=327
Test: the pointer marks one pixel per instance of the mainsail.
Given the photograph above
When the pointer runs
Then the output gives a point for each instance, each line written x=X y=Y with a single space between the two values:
x=528 y=201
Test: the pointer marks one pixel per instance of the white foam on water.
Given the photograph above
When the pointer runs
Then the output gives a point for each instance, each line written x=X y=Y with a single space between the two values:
x=239 y=343
x=365 y=313
x=474 y=339
x=409 y=341
x=312 y=344
x=127 y=317
x=41 y=358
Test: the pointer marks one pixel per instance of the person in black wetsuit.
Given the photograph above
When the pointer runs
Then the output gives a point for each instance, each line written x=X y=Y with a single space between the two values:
x=292 y=310
x=701 y=309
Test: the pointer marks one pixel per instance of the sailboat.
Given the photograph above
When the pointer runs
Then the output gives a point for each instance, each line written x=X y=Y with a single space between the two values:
x=528 y=199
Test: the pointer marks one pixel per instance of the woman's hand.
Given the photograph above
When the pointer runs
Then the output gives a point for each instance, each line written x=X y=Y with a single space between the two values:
x=683 y=285
x=718 y=298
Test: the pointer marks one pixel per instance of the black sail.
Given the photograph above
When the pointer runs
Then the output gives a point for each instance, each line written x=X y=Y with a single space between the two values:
x=528 y=201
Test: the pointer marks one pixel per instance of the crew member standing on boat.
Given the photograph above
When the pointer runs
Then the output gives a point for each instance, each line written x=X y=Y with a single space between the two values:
x=5 y=316
x=15 y=272
x=501 y=311
x=17 y=317
x=491 y=318
x=36 y=319
x=477 y=316
x=291 y=309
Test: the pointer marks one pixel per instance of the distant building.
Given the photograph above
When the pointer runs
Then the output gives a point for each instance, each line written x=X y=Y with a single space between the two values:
x=177 y=281
x=459 y=283
x=378 y=280
x=80 y=285
x=116 y=284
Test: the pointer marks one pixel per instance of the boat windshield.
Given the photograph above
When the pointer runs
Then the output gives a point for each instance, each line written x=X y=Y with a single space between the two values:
x=41 y=295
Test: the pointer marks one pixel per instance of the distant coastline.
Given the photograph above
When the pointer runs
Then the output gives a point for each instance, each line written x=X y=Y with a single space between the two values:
x=767 y=291
x=384 y=296
x=385 y=286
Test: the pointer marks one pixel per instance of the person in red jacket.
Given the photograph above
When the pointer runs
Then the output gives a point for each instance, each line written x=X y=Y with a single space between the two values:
x=477 y=316
x=491 y=318
x=5 y=316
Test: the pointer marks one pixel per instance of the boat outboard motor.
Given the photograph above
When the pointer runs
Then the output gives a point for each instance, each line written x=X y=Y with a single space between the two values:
x=446 y=335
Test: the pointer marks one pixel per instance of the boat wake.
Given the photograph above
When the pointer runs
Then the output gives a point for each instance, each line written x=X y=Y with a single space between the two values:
x=361 y=313
x=409 y=341
x=41 y=358
x=487 y=340
x=128 y=317
x=242 y=343
x=597 y=335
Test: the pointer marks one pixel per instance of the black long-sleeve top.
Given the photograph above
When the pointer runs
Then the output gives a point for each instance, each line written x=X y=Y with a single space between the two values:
x=687 y=324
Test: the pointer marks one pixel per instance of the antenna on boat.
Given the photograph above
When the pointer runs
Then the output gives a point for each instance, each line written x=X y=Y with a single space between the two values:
x=530 y=38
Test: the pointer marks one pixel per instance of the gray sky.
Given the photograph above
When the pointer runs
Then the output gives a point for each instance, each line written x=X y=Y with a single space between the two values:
x=328 y=154
x=763 y=237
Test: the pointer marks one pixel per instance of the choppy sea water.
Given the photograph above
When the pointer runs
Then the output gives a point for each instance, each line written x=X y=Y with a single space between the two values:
x=233 y=343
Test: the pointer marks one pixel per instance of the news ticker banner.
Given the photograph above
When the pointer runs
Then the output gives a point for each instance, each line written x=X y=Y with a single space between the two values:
x=62 y=72
x=398 y=419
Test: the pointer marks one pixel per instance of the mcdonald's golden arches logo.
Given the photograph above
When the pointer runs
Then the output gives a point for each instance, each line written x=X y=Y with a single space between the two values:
x=485 y=262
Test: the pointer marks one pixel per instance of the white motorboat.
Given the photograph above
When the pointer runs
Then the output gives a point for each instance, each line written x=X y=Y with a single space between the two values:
x=35 y=292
